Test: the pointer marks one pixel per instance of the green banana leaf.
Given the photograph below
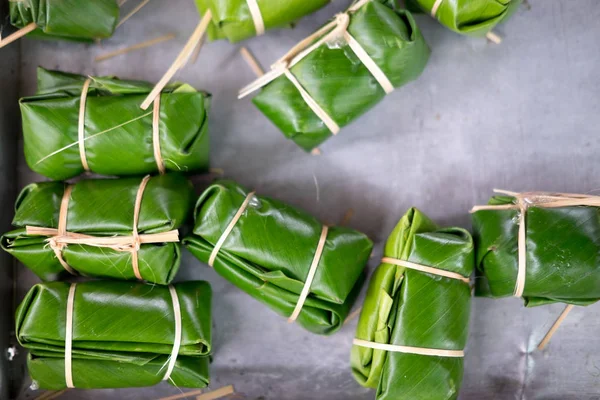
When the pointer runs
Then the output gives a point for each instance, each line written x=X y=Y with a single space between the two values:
x=66 y=19
x=102 y=207
x=411 y=308
x=269 y=252
x=337 y=80
x=123 y=334
x=563 y=253
x=118 y=133
x=231 y=19
x=469 y=17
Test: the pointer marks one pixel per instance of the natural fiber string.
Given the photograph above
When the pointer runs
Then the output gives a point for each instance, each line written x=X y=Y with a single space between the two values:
x=227 y=231
x=424 y=268
x=81 y=124
x=160 y=163
x=410 y=349
x=311 y=275
x=60 y=238
x=178 y=335
x=259 y=23
x=69 y=337
x=335 y=30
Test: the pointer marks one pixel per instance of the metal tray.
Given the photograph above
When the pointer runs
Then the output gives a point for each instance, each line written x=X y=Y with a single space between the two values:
x=522 y=115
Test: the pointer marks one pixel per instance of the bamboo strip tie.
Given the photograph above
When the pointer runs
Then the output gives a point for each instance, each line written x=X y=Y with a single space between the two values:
x=181 y=59
x=61 y=237
x=81 y=124
x=410 y=349
x=69 y=337
x=178 y=332
x=311 y=275
x=334 y=31
x=257 y=19
x=132 y=13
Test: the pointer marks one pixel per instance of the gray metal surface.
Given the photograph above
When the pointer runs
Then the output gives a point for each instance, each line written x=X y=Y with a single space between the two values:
x=524 y=115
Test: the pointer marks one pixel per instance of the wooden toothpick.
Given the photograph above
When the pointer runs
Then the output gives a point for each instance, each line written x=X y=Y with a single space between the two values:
x=252 y=62
x=555 y=326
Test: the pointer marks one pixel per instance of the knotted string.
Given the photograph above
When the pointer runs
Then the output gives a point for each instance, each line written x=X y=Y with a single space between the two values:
x=61 y=238
x=410 y=349
x=334 y=31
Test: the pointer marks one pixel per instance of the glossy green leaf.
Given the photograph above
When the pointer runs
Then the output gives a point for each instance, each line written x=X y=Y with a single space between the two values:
x=123 y=334
x=118 y=133
x=102 y=207
x=469 y=17
x=563 y=253
x=231 y=19
x=411 y=308
x=269 y=252
x=66 y=19
x=337 y=80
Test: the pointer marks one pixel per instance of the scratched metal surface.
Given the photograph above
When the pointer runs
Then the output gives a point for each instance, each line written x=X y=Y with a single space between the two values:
x=524 y=115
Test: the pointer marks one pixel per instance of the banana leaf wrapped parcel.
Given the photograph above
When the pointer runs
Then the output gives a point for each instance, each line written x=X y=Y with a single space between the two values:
x=76 y=124
x=543 y=247
x=111 y=228
x=280 y=255
x=103 y=334
x=341 y=71
x=467 y=17
x=66 y=19
x=236 y=20
x=414 y=323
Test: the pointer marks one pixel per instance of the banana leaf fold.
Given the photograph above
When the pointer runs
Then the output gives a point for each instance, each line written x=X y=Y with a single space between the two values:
x=562 y=248
x=122 y=334
x=118 y=135
x=102 y=209
x=66 y=19
x=467 y=17
x=270 y=249
x=232 y=19
x=408 y=307
x=335 y=77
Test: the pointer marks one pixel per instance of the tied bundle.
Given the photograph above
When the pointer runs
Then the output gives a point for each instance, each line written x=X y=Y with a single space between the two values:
x=237 y=20
x=341 y=71
x=279 y=255
x=76 y=124
x=114 y=228
x=468 y=17
x=543 y=247
x=414 y=323
x=65 y=19
x=103 y=334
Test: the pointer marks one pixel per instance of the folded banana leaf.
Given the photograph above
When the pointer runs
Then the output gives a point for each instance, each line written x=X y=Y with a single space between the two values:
x=118 y=134
x=66 y=19
x=407 y=307
x=337 y=80
x=468 y=17
x=562 y=252
x=102 y=208
x=232 y=19
x=269 y=252
x=122 y=334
